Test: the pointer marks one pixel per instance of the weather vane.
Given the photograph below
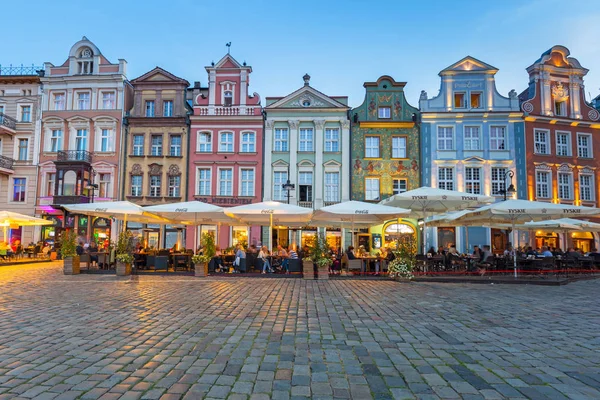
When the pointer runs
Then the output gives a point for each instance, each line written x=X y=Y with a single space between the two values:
x=228 y=47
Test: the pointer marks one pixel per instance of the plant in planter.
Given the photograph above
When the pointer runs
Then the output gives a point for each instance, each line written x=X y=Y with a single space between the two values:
x=405 y=259
x=68 y=247
x=124 y=250
x=319 y=255
x=209 y=250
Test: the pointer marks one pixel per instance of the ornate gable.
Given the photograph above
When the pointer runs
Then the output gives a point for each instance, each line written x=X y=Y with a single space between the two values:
x=158 y=75
x=468 y=64
x=307 y=97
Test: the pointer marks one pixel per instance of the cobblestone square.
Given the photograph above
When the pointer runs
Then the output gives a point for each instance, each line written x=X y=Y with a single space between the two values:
x=173 y=337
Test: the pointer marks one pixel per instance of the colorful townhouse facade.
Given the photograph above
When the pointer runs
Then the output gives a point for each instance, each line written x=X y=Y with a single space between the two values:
x=20 y=101
x=385 y=154
x=156 y=164
x=307 y=143
x=470 y=138
x=225 y=161
x=561 y=138
x=81 y=147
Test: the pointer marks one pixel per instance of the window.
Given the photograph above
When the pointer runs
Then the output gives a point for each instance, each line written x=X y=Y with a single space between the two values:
x=138 y=145
x=476 y=100
x=228 y=98
x=281 y=139
x=541 y=144
x=398 y=147
x=497 y=138
x=445 y=138
x=332 y=186
x=136 y=185
x=279 y=178
x=584 y=146
x=564 y=186
x=384 y=112
x=105 y=140
x=56 y=140
x=372 y=147
x=19 y=185
x=155 y=184
x=372 y=189
x=498 y=180
x=59 y=101
x=563 y=144
x=104 y=185
x=248 y=142
x=23 y=149
x=156 y=145
x=473 y=180
x=50 y=182
x=203 y=175
x=25 y=113
x=472 y=138
x=226 y=142
x=542 y=184
x=108 y=100
x=332 y=140
x=399 y=186
x=560 y=108
x=204 y=142
x=305 y=182
x=446 y=178
x=586 y=187
x=459 y=100
x=81 y=142
x=175 y=146
x=168 y=110
x=226 y=182
x=150 y=108
x=83 y=101
x=247 y=183
x=306 y=140
x=174 y=186
x=1 y=105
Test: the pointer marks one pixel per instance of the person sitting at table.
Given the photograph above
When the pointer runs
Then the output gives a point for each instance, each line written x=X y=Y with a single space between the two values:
x=431 y=252
x=546 y=252
x=93 y=251
x=477 y=254
x=572 y=254
x=284 y=255
x=530 y=251
x=453 y=258
x=263 y=254
x=292 y=255
x=350 y=253
x=557 y=252
x=79 y=249
x=441 y=251
x=485 y=261
x=252 y=249
x=509 y=252
x=218 y=259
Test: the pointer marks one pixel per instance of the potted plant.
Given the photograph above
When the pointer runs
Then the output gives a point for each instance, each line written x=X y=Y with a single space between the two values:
x=319 y=256
x=68 y=250
x=209 y=250
x=402 y=266
x=124 y=252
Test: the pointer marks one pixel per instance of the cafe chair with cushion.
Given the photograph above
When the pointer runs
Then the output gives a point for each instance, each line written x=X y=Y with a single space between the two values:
x=161 y=263
x=181 y=262
x=85 y=258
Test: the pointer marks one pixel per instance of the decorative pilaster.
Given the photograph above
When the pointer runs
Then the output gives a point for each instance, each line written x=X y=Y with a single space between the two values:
x=268 y=175
x=293 y=147
x=345 y=172
x=319 y=178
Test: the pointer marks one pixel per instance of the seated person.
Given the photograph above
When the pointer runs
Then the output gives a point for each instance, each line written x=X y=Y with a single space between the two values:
x=79 y=249
x=546 y=252
x=350 y=253
x=477 y=254
x=284 y=255
x=218 y=259
x=263 y=255
x=530 y=251
x=441 y=251
x=93 y=250
x=486 y=258
x=453 y=258
x=572 y=254
x=431 y=251
x=557 y=252
x=594 y=253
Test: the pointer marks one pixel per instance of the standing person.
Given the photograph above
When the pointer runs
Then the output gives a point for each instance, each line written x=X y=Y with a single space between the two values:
x=263 y=254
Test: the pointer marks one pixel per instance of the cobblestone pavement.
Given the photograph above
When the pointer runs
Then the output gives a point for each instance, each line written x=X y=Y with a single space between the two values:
x=88 y=337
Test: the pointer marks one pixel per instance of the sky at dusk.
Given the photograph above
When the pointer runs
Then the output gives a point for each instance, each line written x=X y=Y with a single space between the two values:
x=341 y=44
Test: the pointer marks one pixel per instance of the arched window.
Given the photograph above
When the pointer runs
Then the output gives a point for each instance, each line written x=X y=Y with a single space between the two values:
x=69 y=183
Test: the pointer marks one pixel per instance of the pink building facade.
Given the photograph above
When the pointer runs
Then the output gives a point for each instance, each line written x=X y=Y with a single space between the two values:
x=226 y=142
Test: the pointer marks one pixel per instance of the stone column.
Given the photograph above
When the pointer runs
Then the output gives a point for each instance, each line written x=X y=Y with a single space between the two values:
x=293 y=147
x=94 y=100
x=345 y=146
x=318 y=178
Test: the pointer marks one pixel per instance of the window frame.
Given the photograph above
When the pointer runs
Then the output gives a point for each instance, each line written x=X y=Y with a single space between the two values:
x=200 y=178
x=108 y=140
x=149 y=112
x=331 y=140
x=306 y=141
x=23 y=192
x=497 y=139
x=367 y=147
x=81 y=101
x=387 y=114
x=589 y=148
x=220 y=180
x=448 y=183
x=539 y=183
x=562 y=185
x=20 y=148
x=329 y=187
x=445 y=139
x=309 y=188
x=172 y=187
x=140 y=187
x=248 y=146
x=500 y=180
x=63 y=103
x=399 y=189
x=547 y=141
x=104 y=184
x=153 y=146
x=59 y=140
x=464 y=99
x=50 y=183
x=470 y=180
x=207 y=144
x=22 y=113
x=476 y=92
x=277 y=140
x=400 y=148
x=277 y=186
x=155 y=190
x=173 y=146
x=369 y=197
x=471 y=140
x=227 y=143
x=567 y=145
x=113 y=100
x=169 y=109
x=248 y=182
x=591 y=186
x=135 y=146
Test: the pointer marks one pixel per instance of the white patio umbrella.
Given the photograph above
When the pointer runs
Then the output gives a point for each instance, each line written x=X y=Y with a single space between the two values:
x=427 y=201
x=565 y=225
x=272 y=213
x=8 y=218
x=123 y=210
x=355 y=212
x=193 y=213
x=522 y=211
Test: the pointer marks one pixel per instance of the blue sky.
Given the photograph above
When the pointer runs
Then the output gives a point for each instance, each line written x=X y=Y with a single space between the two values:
x=341 y=44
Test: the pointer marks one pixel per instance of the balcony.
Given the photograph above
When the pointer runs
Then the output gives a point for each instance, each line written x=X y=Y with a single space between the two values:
x=6 y=165
x=70 y=156
x=228 y=111
x=330 y=203
x=21 y=70
x=7 y=124
x=60 y=200
x=306 y=204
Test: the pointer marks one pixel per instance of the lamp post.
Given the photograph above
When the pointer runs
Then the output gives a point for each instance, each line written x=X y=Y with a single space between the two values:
x=288 y=187
x=511 y=188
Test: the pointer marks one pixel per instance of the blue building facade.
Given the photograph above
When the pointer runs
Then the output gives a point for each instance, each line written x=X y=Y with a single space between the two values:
x=469 y=140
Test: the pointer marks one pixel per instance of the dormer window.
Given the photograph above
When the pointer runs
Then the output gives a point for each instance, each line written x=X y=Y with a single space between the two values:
x=228 y=98
x=459 y=100
x=85 y=63
x=476 y=100
x=384 y=112
x=560 y=108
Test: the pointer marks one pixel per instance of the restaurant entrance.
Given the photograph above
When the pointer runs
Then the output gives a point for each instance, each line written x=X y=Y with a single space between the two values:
x=583 y=241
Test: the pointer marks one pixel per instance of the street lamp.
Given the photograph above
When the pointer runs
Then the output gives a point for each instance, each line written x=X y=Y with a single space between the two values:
x=92 y=187
x=511 y=188
x=288 y=187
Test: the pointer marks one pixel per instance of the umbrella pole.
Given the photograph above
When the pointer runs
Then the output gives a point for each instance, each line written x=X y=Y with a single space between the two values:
x=424 y=231
x=514 y=250
x=271 y=231
x=466 y=239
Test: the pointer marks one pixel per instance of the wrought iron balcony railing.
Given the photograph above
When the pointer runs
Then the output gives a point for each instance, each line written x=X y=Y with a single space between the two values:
x=21 y=70
x=6 y=162
x=74 y=155
x=7 y=121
